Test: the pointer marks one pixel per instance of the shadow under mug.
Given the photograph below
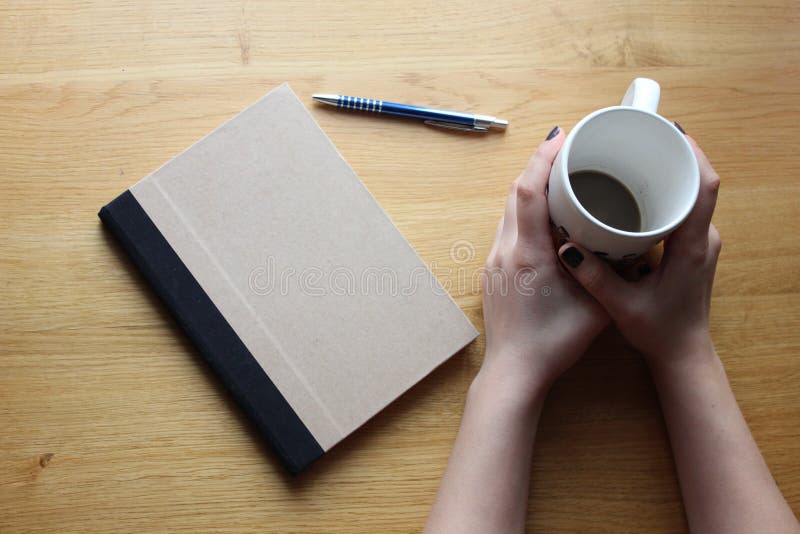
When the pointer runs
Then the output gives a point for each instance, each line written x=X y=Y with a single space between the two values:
x=645 y=152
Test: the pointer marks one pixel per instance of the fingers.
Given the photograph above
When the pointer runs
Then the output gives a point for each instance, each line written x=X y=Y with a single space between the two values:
x=533 y=227
x=597 y=277
x=700 y=218
x=525 y=220
x=636 y=271
x=508 y=234
x=714 y=244
x=644 y=268
x=691 y=238
x=496 y=243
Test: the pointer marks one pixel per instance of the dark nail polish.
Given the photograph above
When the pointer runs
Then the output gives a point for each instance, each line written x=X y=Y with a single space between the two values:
x=678 y=126
x=643 y=269
x=572 y=256
x=553 y=133
x=562 y=242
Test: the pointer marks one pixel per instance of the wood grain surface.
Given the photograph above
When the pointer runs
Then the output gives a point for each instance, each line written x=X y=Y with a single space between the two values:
x=108 y=418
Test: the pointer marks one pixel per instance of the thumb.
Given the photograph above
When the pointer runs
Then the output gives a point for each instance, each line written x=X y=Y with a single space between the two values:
x=597 y=277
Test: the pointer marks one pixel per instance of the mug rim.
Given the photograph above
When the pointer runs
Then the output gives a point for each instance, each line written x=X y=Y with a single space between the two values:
x=650 y=233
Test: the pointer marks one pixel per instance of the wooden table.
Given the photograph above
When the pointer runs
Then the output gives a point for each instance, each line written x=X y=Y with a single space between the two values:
x=108 y=419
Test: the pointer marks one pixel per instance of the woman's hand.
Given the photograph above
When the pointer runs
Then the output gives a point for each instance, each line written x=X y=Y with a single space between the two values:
x=725 y=483
x=663 y=314
x=539 y=321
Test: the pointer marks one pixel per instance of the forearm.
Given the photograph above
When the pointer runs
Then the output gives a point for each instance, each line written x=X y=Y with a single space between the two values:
x=726 y=485
x=485 y=485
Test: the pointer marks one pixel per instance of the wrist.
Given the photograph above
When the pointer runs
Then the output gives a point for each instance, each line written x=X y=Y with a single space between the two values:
x=509 y=381
x=693 y=350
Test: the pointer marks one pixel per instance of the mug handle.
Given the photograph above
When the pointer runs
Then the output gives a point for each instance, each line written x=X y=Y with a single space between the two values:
x=644 y=94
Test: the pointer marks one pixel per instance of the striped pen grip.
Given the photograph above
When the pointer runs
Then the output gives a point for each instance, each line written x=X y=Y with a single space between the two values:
x=362 y=104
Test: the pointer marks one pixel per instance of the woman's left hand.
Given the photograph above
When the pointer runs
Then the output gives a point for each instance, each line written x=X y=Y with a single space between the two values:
x=538 y=319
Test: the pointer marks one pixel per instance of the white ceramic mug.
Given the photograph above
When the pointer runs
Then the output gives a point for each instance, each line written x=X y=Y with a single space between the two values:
x=645 y=152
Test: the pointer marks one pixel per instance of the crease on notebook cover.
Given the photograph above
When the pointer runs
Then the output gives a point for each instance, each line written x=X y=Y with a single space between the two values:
x=326 y=437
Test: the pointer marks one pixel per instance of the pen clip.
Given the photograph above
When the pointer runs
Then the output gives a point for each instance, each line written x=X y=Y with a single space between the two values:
x=454 y=126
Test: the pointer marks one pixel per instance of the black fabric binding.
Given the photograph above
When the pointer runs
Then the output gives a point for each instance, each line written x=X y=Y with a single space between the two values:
x=210 y=332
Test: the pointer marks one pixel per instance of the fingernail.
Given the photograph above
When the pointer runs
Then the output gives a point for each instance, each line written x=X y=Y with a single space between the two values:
x=572 y=256
x=552 y=134
x=678 y=126
x=643 y=269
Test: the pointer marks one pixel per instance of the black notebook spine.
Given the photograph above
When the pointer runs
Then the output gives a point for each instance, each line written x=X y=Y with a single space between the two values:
x=210 y=333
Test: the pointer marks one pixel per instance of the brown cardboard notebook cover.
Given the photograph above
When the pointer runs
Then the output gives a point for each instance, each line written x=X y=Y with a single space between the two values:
x=288 y=277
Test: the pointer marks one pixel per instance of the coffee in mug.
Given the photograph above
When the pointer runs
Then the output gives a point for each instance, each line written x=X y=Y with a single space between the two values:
x=607 y=199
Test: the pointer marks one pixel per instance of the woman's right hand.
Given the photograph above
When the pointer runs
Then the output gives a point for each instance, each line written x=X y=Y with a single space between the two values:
x=665 y=313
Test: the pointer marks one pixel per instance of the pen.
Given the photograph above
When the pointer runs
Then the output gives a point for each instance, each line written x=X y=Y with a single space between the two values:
x=454 y=120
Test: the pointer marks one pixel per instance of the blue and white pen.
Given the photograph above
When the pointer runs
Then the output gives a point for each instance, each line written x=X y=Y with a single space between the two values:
x=454 y=120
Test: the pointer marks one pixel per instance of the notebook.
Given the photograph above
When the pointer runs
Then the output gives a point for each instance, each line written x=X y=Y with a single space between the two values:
x=288 y=277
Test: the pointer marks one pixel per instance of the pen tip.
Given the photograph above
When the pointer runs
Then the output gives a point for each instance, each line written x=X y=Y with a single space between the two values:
x=332 y=100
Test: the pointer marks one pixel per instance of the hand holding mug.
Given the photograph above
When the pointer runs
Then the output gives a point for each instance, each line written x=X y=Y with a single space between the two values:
x=664 y=314
x=539 y=320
